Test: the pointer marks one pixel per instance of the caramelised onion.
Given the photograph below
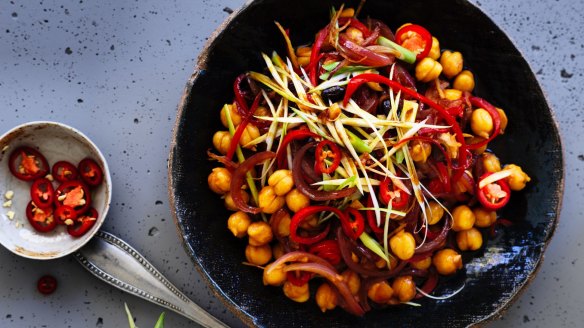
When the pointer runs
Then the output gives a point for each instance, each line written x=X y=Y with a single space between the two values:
x=432 y=245
x=384 y=30
x=357 y=54
x=350 y=303
x=275 y=223
x=366 y=99
x=371 y=39
x=468 y=182
x=308 y=171
x=313 y=194
x=401 y=75
x=238 y=179
x=420 y=273
x=299 y=256
x=429 y=284
x=230 y=165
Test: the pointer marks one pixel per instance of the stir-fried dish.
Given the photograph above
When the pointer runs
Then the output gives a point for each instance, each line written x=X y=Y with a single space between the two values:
x=359 y=163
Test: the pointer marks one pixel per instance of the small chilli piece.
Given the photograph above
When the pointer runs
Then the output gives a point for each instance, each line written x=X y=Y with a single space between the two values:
x=64 y=171
x=90 y=172
x=494 y=195
x=47 y=285
x=74 y=194
x=83 y=223
x=42 y=193
x=41 y=220
x=27 y=164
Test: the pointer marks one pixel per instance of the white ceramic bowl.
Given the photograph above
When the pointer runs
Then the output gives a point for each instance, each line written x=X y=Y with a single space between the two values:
x=56 y=142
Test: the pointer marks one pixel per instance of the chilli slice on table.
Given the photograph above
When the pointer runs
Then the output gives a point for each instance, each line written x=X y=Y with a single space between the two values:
x=361 y=163
x=69 y=203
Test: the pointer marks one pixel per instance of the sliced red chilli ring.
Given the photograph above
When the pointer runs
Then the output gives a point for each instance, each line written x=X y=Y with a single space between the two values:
x=83 y=223
x=41 y=220
x=65 y=214
x=27 y=164
x=64 y=171
x=90 y=172
x=74 y=194
x=42 y=193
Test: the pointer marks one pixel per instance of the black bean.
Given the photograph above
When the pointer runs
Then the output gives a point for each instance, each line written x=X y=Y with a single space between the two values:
x=333 y=94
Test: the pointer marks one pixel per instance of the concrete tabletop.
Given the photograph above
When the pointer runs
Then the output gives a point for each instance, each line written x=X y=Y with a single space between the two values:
x=116 y=69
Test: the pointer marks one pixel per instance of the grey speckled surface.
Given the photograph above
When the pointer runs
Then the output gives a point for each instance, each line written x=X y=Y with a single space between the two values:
x=116 y=70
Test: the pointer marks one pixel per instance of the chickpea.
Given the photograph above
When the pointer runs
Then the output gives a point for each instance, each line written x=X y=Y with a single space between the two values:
x=428 y=69
x=422 y=264
x=235 y=117
x=278 y=250
x=352 y=280
x=452 y=94
x=469 y=240
x=250 y=133
x=355 y=35
x=434 y=211
x=298 y=294
x=348 y=12
x=518 y=179
x=222 y=141
x=310 y=222
x=451 y=62
x=334 y=111
x=403 y=245
x=303 y=51
x=462 y=218
x=447 y=261
x=380 y=292
x=481 y=122
x=491 y=163
x=273 y=276
x=269 y=202
x=219 y=180
x=230 y=205
x=435 y=50
x=503 y=118
x=262 y=111
x=238 y=224
x=296 y=200
x=484 y=217
x=303 y=61
x=404 y=288
x=420 y=151
x=258 y=255
x=282 y=182
x=464 y=81
x=283 y=227
x=399 y=28
x=260 y=233
x=381 y=263
x=326 y=298
x=474 y=140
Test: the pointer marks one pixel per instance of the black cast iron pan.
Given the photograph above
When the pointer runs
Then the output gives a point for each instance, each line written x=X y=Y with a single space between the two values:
x=498 y=272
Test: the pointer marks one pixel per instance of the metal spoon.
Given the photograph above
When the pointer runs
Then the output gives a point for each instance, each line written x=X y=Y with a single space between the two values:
x=114 y=261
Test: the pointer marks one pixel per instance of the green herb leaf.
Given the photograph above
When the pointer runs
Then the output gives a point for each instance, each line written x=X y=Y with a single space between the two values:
x=359 y=145
x=160 y=322
x=130 y=317
x=399 y=156
x=406 y=55
x=330 y=66
x=344 y=69
x=373 y=245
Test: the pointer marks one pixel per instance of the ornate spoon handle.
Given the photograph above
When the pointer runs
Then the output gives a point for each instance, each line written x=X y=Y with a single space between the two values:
x=117 y=263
